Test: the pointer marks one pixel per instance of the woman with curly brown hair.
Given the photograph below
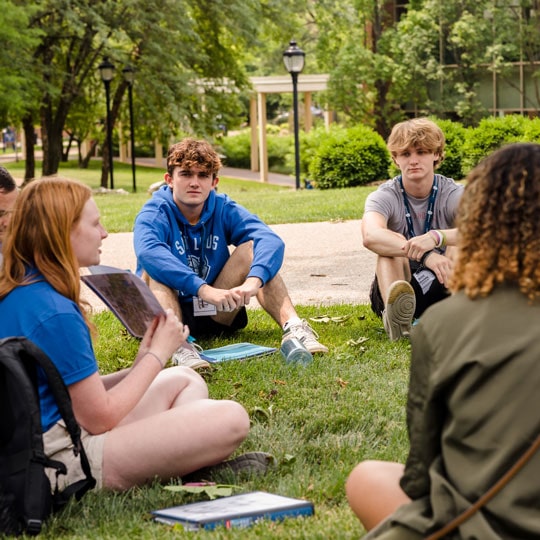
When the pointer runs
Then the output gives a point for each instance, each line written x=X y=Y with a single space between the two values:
x=475 y=375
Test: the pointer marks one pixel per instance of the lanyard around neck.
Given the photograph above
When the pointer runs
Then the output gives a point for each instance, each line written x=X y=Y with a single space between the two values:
x=431 y=206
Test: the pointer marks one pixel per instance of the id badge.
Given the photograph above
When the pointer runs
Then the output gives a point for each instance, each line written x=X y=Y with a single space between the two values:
x=202 y=308
x=425 y=278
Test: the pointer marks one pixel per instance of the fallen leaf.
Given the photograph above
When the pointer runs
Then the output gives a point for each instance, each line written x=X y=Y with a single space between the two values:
x=327 y=319
x=356 y=342
x=212 y=491
x=260 y=414
x=342 y=383
x=289 y=458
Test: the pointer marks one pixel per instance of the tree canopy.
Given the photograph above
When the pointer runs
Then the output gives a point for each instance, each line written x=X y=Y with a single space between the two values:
x=193 y=59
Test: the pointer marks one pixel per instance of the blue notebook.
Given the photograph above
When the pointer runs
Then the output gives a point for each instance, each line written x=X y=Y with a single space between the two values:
x=237 y=511
x=236 y=351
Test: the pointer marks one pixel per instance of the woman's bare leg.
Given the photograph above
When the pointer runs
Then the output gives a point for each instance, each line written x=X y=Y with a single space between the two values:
x=174 y=430
x=374 y=492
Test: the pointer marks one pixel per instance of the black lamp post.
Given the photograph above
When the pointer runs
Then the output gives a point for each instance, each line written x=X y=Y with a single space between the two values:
x=106 y=70
x=129 y=76
x=294 y=58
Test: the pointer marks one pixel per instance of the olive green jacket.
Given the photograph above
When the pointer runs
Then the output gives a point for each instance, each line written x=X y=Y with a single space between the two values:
x=473 y=409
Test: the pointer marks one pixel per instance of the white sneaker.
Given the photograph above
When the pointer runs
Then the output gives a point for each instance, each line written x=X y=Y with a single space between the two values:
x=303 y=332
x=399 y=312
x=188 y=356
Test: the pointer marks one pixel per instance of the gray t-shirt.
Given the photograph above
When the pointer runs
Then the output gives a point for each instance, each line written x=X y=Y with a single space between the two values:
x=388 y=201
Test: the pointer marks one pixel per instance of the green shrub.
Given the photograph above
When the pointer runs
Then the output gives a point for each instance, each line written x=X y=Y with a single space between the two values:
x=531 y=132
x=492 y=133
x=237 y=151
x=349 y=157
x=279 y=147
x=455 y=135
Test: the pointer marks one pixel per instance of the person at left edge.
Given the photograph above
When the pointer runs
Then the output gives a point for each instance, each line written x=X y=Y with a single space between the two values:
x=182 y=238
x=8 y=195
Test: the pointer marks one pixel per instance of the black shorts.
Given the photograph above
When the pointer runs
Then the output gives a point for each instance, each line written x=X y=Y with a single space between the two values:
x=434 y=294
x=205 y=326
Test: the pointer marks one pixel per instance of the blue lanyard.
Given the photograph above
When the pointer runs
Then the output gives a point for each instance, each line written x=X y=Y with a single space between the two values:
x=431 y=205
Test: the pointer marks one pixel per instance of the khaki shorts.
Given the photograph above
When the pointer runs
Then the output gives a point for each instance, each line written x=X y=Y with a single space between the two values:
x=58 y=446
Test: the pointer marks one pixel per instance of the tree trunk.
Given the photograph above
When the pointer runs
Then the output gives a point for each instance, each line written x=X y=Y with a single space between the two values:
x=52 y=126
x=65 y=152
x=83 y=161
x=29 y=137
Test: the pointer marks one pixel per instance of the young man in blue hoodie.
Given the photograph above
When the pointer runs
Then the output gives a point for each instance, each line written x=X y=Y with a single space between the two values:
x=182 y=238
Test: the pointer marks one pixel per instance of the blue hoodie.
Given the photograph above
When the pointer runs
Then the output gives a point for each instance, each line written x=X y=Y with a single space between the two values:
x=184 y=257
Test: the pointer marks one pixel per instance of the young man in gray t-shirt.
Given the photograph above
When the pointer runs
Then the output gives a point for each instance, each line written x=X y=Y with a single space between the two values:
x=409 y=223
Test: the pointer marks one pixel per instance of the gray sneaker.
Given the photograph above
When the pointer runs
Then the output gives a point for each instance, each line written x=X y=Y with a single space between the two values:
x=399 y=312
x=188 y=356
x=303 y=332
x=247 y=465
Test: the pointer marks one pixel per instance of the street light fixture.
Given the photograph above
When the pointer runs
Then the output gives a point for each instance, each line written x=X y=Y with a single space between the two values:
x=293 y=58
x=129 y=76
x=106 y=71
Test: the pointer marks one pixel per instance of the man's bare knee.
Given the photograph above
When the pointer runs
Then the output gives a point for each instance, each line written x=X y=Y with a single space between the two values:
x=243 y=254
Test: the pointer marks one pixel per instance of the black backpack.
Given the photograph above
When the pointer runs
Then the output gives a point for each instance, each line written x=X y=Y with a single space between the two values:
x=26 y=499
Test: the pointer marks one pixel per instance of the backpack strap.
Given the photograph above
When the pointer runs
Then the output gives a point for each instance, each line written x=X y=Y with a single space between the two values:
x=29 y=352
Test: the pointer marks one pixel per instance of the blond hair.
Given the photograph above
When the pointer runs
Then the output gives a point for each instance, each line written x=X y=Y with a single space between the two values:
x=420 y=133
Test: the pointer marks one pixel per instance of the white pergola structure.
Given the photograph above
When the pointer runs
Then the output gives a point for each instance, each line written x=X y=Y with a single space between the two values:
x=307 y=84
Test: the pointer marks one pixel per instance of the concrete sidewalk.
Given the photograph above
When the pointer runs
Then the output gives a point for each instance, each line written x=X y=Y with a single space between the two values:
x=325 y=263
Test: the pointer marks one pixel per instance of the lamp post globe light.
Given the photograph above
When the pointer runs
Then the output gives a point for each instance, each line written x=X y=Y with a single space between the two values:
x=293 y=58
x=129 y=76
x=106 y=71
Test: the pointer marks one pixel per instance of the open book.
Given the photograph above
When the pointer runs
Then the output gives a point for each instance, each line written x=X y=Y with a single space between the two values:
x=237 y=511
x=126 y=295
x=135 y=305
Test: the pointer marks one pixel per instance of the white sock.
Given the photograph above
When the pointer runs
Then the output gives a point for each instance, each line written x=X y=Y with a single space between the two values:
x=292 y=320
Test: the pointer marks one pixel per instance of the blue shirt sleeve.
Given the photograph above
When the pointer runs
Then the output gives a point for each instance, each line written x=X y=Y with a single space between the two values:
x=66 y=340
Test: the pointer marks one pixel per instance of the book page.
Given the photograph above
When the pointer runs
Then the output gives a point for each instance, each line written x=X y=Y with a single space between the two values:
x=126 y=295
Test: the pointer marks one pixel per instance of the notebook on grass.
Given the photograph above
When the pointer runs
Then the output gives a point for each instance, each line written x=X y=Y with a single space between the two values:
x=237 y=511
x=236 y=351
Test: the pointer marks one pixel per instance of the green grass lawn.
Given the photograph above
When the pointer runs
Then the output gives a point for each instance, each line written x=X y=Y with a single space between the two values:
x=317 y=421
x=273 y=204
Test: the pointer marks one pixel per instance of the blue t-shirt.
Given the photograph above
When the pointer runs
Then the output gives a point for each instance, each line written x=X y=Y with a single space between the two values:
x=55 y=324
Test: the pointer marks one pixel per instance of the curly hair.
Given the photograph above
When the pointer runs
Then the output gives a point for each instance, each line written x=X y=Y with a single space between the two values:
x=499 y=224
x=419 y=133
x=191 y=152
